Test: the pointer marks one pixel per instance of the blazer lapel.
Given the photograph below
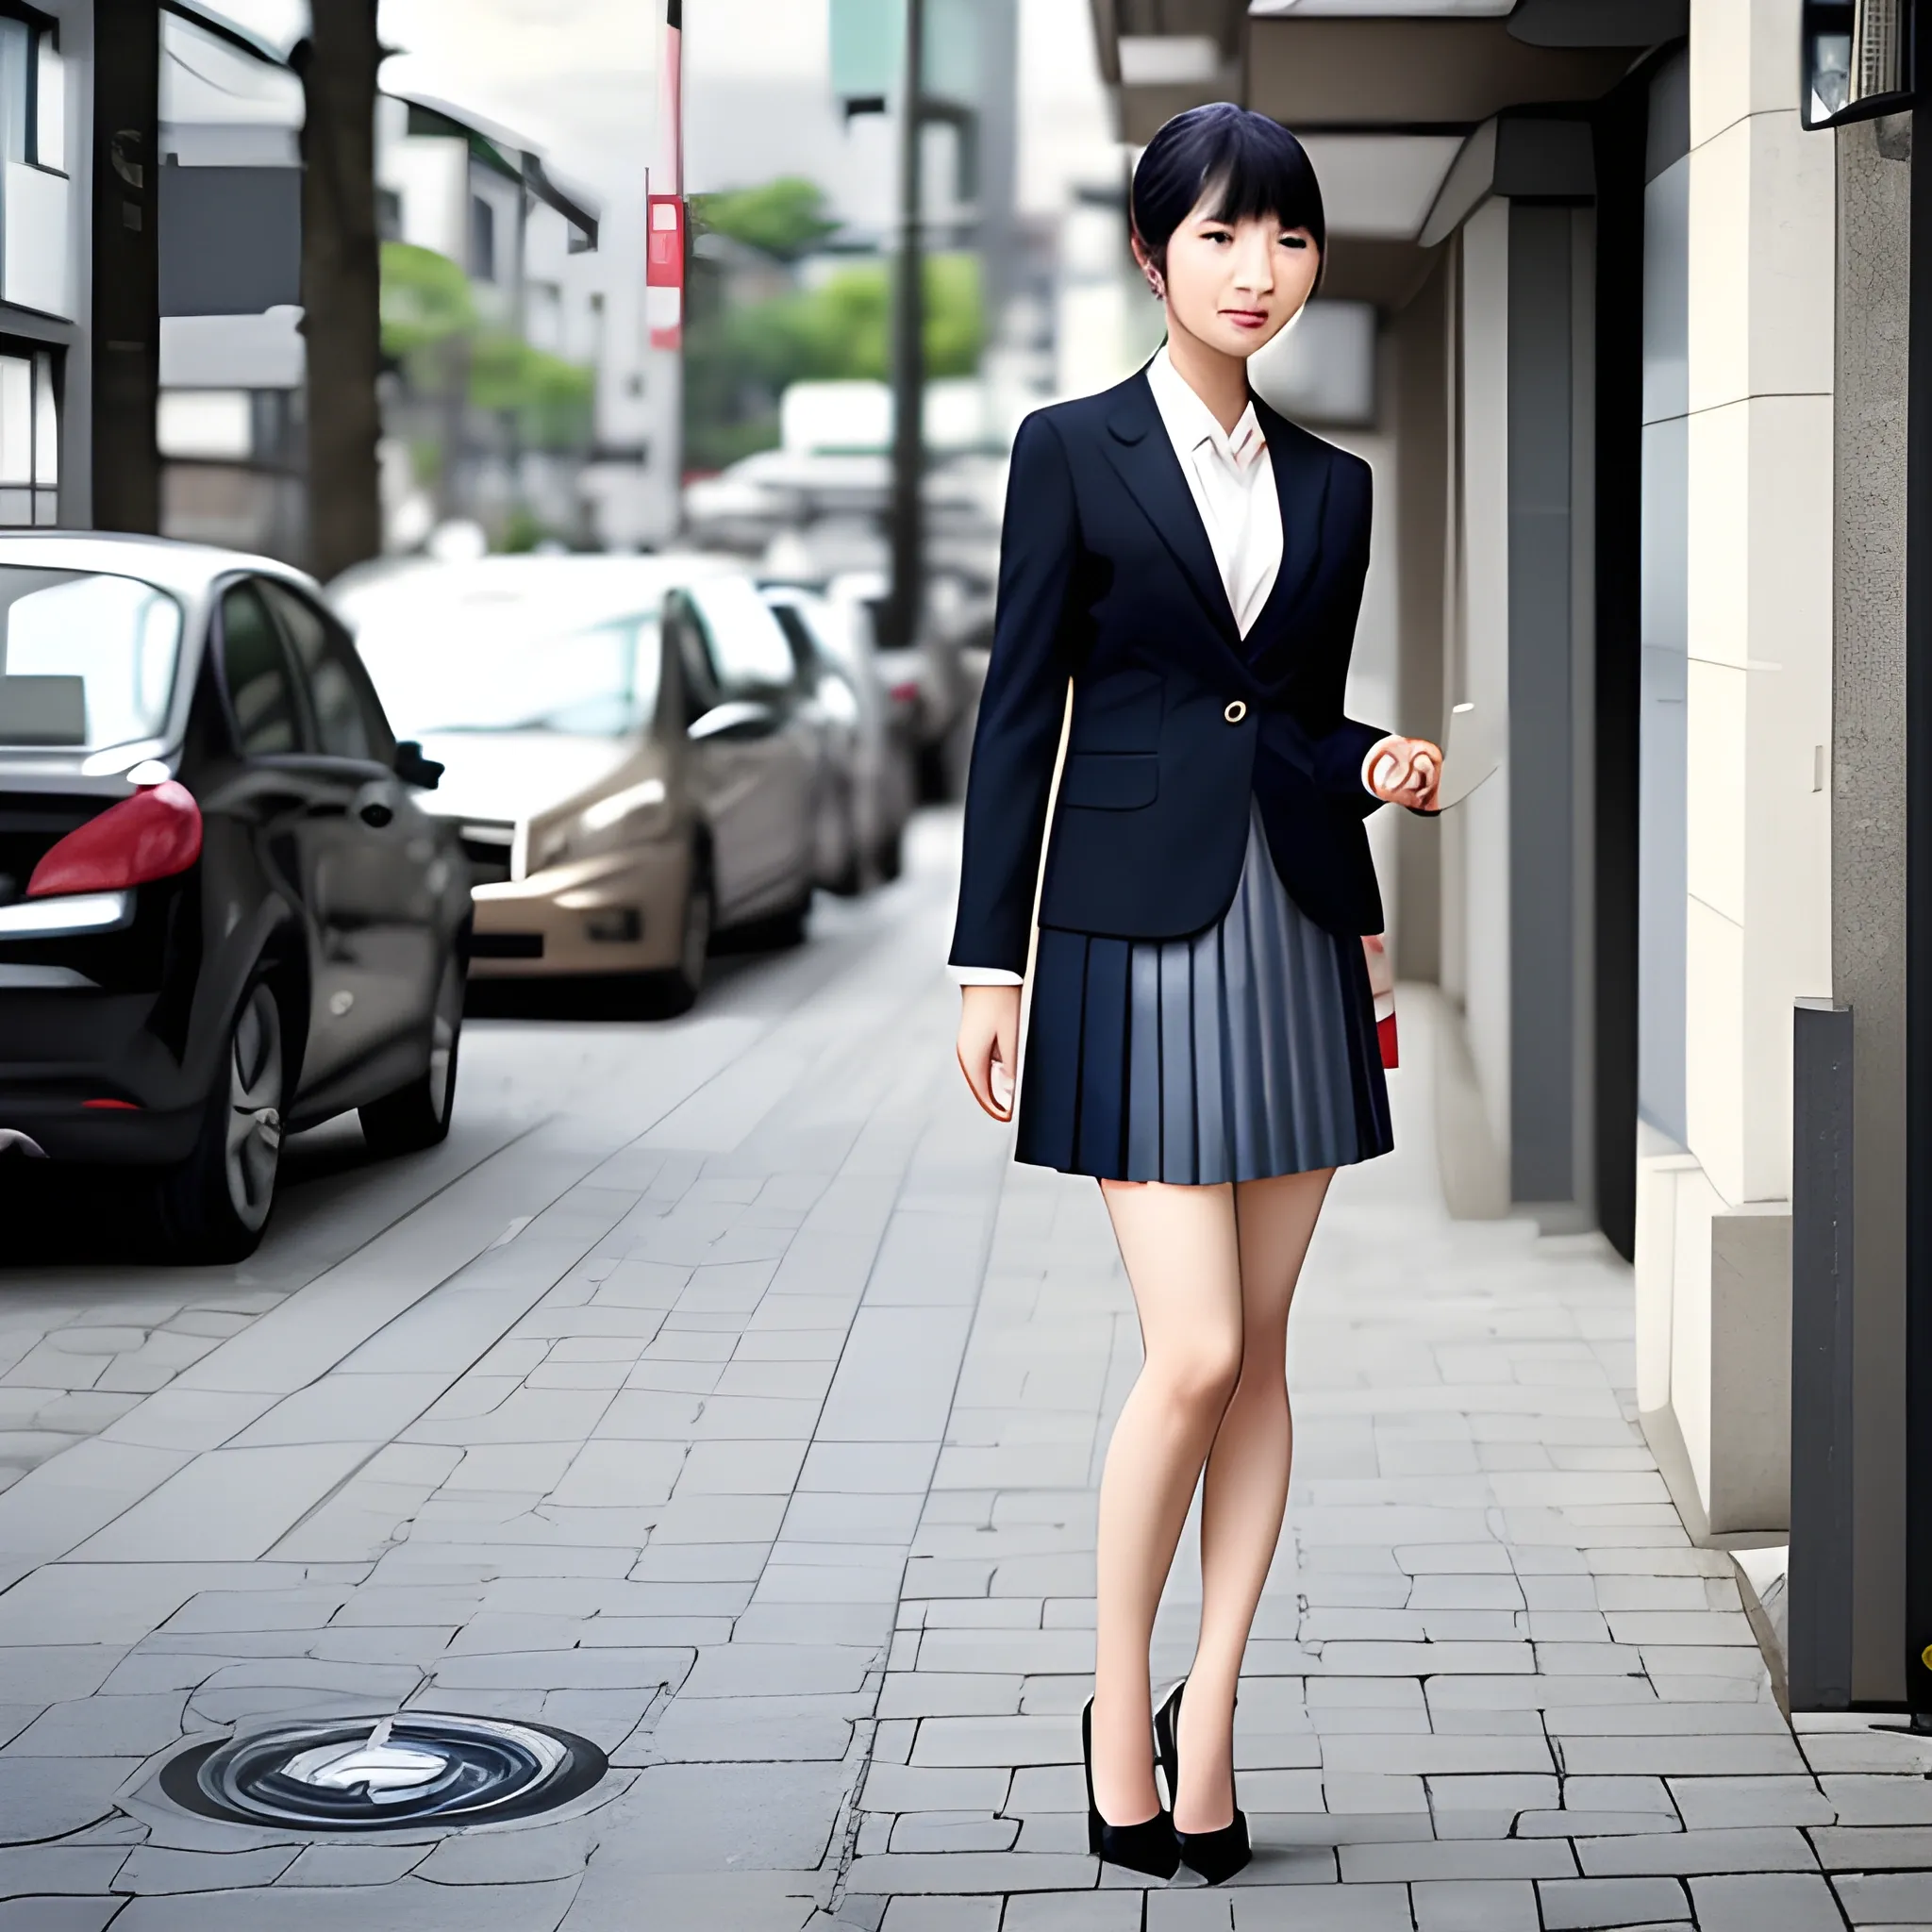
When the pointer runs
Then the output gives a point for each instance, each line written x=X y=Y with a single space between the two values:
x=1137 y=448
x=1301 y=485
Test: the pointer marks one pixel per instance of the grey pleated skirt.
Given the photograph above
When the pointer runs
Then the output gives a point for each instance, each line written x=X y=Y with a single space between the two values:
x=1244 y=1051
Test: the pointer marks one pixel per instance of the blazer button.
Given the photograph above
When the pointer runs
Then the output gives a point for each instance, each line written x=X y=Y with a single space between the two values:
x=1236 y=711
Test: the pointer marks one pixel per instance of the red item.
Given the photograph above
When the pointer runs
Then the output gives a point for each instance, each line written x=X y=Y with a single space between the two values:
x=1382 y=986
x=153 y=835
x=664 y=213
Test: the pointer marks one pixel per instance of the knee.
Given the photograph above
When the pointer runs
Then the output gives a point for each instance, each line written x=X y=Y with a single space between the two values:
x=1199 y=1379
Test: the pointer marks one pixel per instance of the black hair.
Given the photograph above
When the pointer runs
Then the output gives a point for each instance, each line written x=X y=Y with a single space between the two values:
x=1255 y=166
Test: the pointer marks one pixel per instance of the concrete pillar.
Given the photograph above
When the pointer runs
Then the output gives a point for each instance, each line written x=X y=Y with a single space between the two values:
x=1759 y=592
x=1867 y=780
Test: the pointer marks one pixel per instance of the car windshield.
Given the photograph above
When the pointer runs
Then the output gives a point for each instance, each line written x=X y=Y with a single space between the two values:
x=598 y=681
x=86 y=660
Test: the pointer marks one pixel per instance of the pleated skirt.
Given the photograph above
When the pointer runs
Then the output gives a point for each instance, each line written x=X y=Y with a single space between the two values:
x=1245 y=1050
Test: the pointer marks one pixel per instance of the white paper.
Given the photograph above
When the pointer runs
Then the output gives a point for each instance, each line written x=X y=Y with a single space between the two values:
x=1471 y=753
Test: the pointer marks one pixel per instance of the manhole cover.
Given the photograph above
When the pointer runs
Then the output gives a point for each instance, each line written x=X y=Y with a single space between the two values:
x=370 y=1774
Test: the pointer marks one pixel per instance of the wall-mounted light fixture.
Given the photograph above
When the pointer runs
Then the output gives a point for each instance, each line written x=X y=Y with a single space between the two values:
x=1858 y=60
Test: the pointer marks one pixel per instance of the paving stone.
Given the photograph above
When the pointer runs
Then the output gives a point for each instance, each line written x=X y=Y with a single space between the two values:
x=1765 y=1902
x=950 y=1831
x=1475 y=1905
x=1319 y=1909
x=1902 y=1898
x=1879 y=1800
x=1742 y=1753
x=1864 y=1848
x=50 y=1797
x=1581 y=1905
x=49 y=1870
x=1761 y=1849
x=1462 y=1858
x=914 y=1914
x=151 y=1869
x=1073 y=1911
x=353 y=1864
x=1705 y=1803
x=407 y=1905
x=57 y=1914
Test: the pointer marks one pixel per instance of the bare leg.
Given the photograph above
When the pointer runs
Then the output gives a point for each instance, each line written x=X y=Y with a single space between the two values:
x=1179 y=1247
x=1246 y=1487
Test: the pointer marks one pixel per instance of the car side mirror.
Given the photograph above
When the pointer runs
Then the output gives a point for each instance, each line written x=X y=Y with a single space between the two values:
x=736 y=717
x=412 y=767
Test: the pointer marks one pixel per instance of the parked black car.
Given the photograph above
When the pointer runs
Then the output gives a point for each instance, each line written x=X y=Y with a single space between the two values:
x=224 y=914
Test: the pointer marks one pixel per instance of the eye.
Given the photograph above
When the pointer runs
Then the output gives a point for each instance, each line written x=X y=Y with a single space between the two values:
x=1217 y=235
x=1294 y=240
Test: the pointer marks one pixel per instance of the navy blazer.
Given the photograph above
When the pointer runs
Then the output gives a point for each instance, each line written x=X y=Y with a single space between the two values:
x=1108 y=578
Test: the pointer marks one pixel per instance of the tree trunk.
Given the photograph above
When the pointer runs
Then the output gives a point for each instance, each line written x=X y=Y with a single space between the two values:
x=342 y=283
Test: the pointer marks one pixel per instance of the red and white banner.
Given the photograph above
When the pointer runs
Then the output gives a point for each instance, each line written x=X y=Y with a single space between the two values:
x=664 y=211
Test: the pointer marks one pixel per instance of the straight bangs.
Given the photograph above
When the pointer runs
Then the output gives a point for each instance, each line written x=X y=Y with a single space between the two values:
x=1257 y=182
x=1243 y=164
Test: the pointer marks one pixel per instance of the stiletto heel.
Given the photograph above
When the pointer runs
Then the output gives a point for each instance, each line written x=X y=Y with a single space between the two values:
x=1149 y=1846
x=1215 y=1855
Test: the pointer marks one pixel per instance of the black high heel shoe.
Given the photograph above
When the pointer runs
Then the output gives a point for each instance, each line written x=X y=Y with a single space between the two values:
x=1149 y=1846
x=1215 y=1855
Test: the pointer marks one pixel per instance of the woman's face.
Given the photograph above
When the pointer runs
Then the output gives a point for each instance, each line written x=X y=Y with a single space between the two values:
x=1236 y=284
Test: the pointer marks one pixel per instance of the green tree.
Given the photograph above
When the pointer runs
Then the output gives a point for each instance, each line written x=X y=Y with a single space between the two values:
x=425 y=300
x=428 y=310
x=785 y=219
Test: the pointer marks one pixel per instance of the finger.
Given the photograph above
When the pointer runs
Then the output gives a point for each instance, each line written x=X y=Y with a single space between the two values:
x=978 y=1076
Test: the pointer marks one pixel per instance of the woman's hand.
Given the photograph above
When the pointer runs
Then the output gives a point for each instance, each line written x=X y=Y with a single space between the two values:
x=989 y=1045
x=1406 y=771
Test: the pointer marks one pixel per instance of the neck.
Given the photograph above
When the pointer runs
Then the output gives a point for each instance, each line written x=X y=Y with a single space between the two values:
x=1220 y=380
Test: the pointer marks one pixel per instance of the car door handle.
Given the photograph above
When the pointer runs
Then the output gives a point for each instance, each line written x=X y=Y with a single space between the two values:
x=375 y=812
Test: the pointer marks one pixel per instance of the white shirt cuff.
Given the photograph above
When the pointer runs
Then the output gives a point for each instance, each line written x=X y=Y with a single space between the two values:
x=1376 y=751
x=984 y=975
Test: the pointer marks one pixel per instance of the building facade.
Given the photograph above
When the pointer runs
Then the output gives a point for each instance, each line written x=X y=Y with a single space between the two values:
x=1645 y=350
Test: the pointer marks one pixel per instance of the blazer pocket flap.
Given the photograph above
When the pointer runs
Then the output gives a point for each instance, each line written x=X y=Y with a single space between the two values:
x=1110 y=781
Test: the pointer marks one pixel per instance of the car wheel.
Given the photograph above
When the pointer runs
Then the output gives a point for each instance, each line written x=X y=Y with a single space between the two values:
x=418 y=1115
x=214 y=1205
x=678 y=988
x=840 y=860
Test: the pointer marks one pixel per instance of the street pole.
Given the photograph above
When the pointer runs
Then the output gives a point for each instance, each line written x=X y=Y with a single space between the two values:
x=909 y=351
x=127 y=467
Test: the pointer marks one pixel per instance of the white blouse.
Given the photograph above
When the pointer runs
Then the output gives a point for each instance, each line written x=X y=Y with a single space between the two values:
x=1232 y=483
x=1233 y=486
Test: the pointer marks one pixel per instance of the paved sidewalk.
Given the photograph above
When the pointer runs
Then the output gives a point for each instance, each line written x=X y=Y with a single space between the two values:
x=743 y=1415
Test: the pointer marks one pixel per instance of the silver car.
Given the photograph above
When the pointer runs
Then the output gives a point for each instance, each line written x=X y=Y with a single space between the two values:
x=627 y=756
x=869 y=747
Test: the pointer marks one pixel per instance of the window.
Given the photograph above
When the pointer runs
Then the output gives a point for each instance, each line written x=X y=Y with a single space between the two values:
x=482 y=239
x=685 y=635
x=262 y=694
x=348 y=724
x=748 y=651
x=85 y=660
x=49 y=142
x=29 y=437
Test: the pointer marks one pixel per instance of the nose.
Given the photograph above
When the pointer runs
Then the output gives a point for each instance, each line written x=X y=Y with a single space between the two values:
x=1254 y=259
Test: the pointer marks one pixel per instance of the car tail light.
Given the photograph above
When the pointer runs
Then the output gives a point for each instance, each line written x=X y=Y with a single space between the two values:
x=153 y=835
x=906 y=692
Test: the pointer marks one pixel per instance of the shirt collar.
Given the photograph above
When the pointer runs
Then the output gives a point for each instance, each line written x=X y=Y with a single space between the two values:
x=1190 y=422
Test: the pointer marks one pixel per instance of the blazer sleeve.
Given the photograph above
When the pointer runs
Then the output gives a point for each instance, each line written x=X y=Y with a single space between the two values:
x=1341 y=749
x=1021 y=707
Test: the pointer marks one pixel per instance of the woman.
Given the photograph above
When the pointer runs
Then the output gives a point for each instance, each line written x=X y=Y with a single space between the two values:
x=1202 y=1037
